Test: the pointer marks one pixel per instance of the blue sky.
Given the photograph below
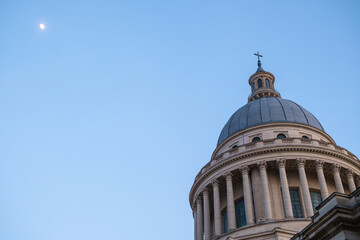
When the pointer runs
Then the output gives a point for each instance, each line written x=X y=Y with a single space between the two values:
x=109 y=113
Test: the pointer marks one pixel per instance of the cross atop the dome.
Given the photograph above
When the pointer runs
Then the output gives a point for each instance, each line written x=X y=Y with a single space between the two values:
x=258 y=55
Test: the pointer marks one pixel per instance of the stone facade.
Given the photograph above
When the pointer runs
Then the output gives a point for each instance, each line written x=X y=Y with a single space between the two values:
x=286 y=157
x=338 y=218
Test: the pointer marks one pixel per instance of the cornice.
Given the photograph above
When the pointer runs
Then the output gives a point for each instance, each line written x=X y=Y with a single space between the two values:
x=266 y=125
x=265 y=150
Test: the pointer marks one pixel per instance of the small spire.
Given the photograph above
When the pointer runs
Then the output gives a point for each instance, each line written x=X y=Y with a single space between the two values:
x=260 y=69
x=259 y=56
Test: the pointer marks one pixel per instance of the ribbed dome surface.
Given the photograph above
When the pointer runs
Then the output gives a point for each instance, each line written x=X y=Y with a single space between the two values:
x=267 y=110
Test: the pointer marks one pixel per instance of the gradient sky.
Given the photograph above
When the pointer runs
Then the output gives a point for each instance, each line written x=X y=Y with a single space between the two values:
x=109 y=113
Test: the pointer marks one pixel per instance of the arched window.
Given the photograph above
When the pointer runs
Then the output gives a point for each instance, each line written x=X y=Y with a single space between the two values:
x=253 y=87
x=260 y=83
x=305 y=137
x=267 y=83
x=281 y=135
x=256 y=139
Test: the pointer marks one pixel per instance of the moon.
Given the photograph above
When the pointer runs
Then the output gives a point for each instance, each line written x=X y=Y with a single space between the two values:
x=42 y=26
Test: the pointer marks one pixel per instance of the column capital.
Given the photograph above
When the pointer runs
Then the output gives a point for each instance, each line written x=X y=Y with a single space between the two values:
x=281 y=162
x=262 y=165
x=215 y=183
x=205 y=191
x=228 y=176
x=336 y=167
x=300 y=162
x=357 y=180
x=198 y=200
x=349 y=173
x=319 y=163
x=244 y=169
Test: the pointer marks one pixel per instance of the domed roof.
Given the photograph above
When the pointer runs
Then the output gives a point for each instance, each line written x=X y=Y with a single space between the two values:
x=267 y=110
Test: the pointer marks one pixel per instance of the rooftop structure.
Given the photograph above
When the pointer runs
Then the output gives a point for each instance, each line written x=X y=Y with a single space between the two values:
x=273 y=165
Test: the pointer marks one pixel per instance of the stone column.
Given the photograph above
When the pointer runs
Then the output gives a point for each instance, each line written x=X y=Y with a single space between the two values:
x=321 y=178
x=257 y=195
x=336 y=171
x=358 y=181
x=217 y=213
x=350 y=180
x=281 y=163
x=206 y=214
x=249 y=212
x=195 y=222
x=305 y=187
x=230 y=202
x=200 y=219
x=265 y=189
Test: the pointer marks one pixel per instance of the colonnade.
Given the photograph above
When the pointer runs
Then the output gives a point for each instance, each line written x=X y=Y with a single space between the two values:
x=201 y=210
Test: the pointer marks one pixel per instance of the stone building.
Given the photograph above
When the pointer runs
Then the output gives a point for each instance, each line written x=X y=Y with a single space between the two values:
x=273 y=165
x=337 y=218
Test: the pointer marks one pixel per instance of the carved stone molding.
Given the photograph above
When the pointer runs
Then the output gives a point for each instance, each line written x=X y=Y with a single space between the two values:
x=223 y=163
x=228 y=176
x=319 y=164
x=240 y=157
x=244 y=170
x=205 y=192
x=336 y=167
x=349 y=173
x=215 y=183
x=300 y=162
x=281 y=162
x=262 y=165
x=357 y=180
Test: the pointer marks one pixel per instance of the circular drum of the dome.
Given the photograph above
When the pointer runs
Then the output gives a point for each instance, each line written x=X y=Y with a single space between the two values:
x=267 y=110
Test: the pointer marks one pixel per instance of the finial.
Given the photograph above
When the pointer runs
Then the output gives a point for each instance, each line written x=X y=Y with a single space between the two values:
x=259 y=56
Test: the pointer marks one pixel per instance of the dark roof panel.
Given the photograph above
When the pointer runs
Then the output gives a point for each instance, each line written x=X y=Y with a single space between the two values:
x=243 y=117
x=276 y=111
x=267 y=110
x=254 y=114
x=235 y=121
x=288 y=111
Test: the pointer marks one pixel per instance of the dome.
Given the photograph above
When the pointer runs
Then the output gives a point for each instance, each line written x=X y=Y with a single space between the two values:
x=267 y=110
x=272 y=169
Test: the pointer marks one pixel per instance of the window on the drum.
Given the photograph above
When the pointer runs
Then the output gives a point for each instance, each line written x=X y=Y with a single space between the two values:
x=281 y=135
x=225 y=220
x=240 y=213
x=315 y=199
x=296 y=203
